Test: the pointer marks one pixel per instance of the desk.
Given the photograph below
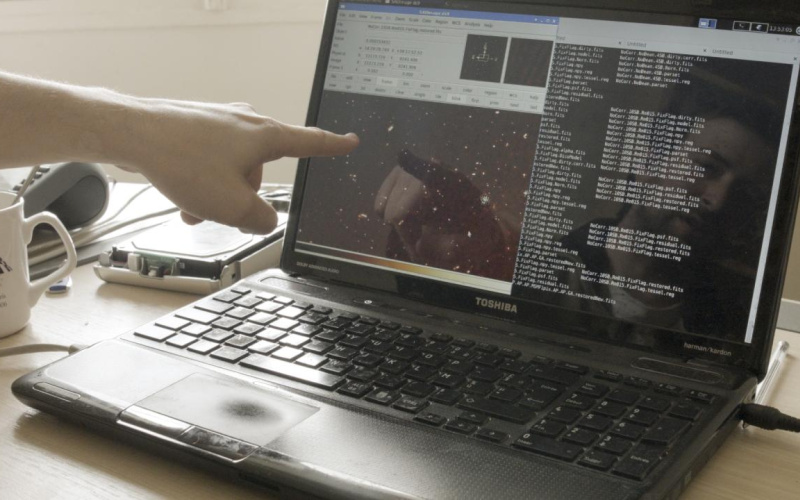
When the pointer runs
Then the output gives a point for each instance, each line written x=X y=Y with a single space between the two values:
x=43 y=457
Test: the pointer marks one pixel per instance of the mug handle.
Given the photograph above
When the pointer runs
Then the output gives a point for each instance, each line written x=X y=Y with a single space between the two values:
x=38 y=287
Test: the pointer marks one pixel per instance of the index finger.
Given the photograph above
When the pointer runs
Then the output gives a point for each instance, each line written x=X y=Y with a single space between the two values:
x=302 y=142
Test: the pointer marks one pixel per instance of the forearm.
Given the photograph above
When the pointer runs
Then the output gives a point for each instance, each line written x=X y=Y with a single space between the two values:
x=46 y=122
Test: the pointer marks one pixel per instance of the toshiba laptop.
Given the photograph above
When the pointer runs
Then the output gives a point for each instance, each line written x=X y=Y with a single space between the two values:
x=552 y=268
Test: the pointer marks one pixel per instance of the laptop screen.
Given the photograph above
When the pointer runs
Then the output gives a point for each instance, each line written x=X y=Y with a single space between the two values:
x=625 y=170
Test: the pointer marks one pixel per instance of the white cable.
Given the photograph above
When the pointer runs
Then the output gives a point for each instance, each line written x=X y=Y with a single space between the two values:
x=89 y=236
x=45 y=245
x=34 y=348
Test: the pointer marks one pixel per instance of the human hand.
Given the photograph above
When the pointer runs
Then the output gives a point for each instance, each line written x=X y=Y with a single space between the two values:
x=207 y=158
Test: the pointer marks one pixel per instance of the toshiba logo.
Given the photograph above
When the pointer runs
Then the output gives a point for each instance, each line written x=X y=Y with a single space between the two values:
x=496 y=304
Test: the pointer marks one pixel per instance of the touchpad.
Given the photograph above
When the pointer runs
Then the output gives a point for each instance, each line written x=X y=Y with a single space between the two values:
x=229 y=407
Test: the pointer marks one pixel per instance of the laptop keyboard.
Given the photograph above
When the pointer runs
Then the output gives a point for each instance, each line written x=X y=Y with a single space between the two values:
x=598 y=419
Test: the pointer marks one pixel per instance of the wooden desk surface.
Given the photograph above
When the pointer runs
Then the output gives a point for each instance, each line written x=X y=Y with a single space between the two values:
x=43 y=457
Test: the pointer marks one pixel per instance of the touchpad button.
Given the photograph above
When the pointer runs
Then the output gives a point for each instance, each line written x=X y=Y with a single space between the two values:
x=229 y=407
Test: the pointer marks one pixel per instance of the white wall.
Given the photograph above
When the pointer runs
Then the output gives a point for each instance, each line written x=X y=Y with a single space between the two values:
x=257 y=51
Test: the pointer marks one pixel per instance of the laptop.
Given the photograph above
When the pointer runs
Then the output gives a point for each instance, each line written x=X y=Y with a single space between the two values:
x=552 y=269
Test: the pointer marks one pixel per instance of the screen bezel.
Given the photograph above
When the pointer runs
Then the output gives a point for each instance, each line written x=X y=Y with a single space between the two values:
x=752 y=357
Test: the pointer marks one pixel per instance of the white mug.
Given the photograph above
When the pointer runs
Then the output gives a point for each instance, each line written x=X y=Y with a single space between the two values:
x=17 y=293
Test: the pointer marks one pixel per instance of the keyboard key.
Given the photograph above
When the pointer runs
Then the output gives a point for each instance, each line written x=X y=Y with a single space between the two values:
x=362 y=374
x=488 y=359
x=461 y=427
x=513 y=366
x=703 y=397
x=312 y=360
x=181 y=340
x=290 y=312
x=261 y=318
x=507 y=394
x=573 y=367
x=598 y=460
x=431 y=419
x=153 y=332
x=214 y=306
x=608 y=375
x=449 y=380
x=249 y=301
x=580 y=436
x=623 y=396
x=283 y=300
x=672 y=390
x=614 y=445
x=355 y=389
x=240 y=341
x=242 y=290
x=492 y=435
x=441 y=337
x=686 y=410
x=271 y=334
x=419 y=389
x=540 y=396
x=203 y=347
x=654 y=403
x=336 y=323
x=638 y=382
x=284 y=324
x=394 y=366
x=263 y=347
x=564 y=414
x=288 y=353
x=447 y=397
x=248 y=329
x=353 y=341
x=360 y=329
x=336 y=367
x=552 y=374
x=593 y=390
x=628 y=430
x=548 y=447
x=269 y=307
x=411 y=404
x=505 y=352
x=378 y=347
x=430 y=359
x=172 y=323
x=579 y=401
x=240 y=313
x=330 y=336
x=196 y=329
x=478 y=388
x=610 y=409
x=640 y=461
x=229 y=354
x=293 y=340
x=313 y=319
x=318 y=347
x=474 y=417
x=227 y=296
x=342 y=353
x=484 y=373
x=413 y=330
x=388 y=381
x=641 y=416
x=292 y=371
x=226 y=323
x=382 y=397
x=307 y=330
x=403 y=353
x=485 y=347
x=498 y=409
x=595 y=422
x=666 y=431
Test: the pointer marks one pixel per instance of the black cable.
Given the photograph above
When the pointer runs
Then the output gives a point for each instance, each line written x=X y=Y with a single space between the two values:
x=767 y=417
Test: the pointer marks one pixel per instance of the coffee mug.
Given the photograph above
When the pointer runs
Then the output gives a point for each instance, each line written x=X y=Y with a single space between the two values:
x=17 y=293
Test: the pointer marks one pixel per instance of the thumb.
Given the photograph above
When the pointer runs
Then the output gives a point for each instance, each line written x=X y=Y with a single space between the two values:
x=250 y=212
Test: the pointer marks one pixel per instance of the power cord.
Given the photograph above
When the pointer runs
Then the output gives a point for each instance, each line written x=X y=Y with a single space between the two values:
x=767 y=417
x=34 y=348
